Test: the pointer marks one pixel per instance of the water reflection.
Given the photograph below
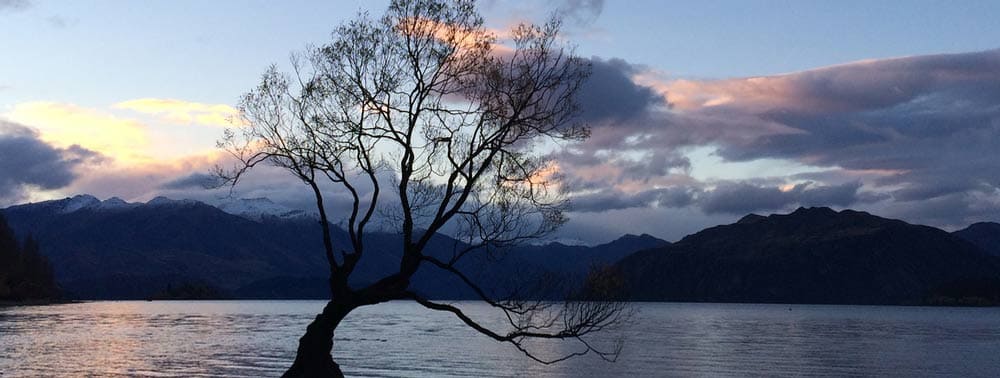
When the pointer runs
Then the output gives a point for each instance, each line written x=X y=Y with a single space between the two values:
x=258 y=338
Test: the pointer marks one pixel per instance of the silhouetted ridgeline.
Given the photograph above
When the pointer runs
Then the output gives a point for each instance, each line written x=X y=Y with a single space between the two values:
x=985 y=235
x=116 y=250
x=816 y=255
x=187 y=249
x=25 y=274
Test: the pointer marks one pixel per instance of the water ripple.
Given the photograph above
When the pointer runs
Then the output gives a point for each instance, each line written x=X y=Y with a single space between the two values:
x=401 y=339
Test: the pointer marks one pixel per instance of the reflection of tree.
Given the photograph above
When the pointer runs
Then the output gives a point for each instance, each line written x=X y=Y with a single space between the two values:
x=422 y=103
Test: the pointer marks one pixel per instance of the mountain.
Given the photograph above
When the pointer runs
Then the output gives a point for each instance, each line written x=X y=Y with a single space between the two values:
x=985 y=235
x=134 y=250
x=579 y=258
x=815 y=255
x=249 y=249
x=258 y=209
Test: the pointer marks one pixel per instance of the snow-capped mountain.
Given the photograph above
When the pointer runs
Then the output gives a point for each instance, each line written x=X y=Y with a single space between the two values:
x=164 y=201
x=86 y=201
x=77 y=202
x=258 y=209
x=255 y=209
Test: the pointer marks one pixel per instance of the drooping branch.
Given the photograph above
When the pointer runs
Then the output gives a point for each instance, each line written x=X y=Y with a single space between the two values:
x=593 y=319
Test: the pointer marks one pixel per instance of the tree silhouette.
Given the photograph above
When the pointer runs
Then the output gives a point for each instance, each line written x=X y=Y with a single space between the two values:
x=429 y=125
x=24 y=272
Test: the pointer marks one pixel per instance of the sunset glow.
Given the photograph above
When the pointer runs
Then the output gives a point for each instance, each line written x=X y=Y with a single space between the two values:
x=878 y=125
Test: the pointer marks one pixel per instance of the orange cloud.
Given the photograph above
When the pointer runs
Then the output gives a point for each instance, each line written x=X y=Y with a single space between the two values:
x=465 y=38
x=836 y=88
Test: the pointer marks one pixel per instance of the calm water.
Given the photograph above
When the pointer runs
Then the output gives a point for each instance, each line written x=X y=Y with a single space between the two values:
x=258 y=338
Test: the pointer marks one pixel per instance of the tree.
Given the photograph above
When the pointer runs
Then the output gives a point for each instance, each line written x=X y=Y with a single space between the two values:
x=9 y=258
x=424 y=104
x=25 y=273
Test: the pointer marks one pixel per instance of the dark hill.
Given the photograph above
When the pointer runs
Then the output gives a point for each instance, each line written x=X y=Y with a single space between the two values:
x=118 y=250
x=985 y=235
x=578 y=258
x=814 y=255
x=133 y=252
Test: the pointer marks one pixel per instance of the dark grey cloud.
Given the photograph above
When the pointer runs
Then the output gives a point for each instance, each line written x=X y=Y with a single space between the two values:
x=744 y=198
x=951 y=211
x=737 y=198
x=611 y=199
x=27 y=161
x=194 y=181
x=917 y=137
x=913 y=129
x=934 y=121
x=588 y=171
x=610 y=95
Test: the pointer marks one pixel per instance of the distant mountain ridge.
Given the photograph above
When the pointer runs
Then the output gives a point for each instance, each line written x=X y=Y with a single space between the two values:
x=250 y=208
x=260 y=208
x=129 y=251
x=985 y=235
x=114 y=249
x=815 y=255
x=246 y=248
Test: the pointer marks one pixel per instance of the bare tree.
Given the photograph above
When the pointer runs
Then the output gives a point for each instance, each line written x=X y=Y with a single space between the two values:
x=424 y=118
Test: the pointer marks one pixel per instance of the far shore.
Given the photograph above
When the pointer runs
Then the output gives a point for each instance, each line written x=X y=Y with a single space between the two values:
x=35 y=302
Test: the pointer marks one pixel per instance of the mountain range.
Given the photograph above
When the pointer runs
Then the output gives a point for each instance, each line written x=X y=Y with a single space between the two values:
x=257 y=249
x=248 y=249
x=818 y=255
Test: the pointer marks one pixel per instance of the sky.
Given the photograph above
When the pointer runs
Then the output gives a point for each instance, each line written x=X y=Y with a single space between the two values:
x=701 y=111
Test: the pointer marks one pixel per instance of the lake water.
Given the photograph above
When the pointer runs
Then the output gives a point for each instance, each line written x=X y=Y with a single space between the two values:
x=258 y=338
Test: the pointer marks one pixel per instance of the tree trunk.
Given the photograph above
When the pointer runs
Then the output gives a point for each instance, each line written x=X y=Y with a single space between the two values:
x=314 y=357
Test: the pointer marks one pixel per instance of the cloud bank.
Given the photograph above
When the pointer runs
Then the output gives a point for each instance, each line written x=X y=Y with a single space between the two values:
x=915 y=137
x=918 y=135
x=27 y=162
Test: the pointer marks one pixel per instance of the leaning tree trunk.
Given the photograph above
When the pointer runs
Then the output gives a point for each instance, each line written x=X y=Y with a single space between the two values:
x=314 y=357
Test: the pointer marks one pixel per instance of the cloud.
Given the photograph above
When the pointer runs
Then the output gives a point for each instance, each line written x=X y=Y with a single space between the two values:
x=183 y=112
x=28 y=162
x=148 y=179
x=610 y=94
x=64 y=125
x=581 y=12
x=911 y=129
x=195 y=180
x=932 y=121
x=617 y=200
x=60 y=22
x=14 y=5
x=951 y=211
x=742 y=198
x=858 y=86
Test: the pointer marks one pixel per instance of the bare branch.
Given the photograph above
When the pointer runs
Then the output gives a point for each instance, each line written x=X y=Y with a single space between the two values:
x=589 y=319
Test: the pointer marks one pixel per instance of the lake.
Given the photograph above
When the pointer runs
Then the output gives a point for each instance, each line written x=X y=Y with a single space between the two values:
x=258 y=338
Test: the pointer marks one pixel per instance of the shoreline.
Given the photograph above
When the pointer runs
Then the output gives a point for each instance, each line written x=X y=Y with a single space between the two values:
x=36 y=302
